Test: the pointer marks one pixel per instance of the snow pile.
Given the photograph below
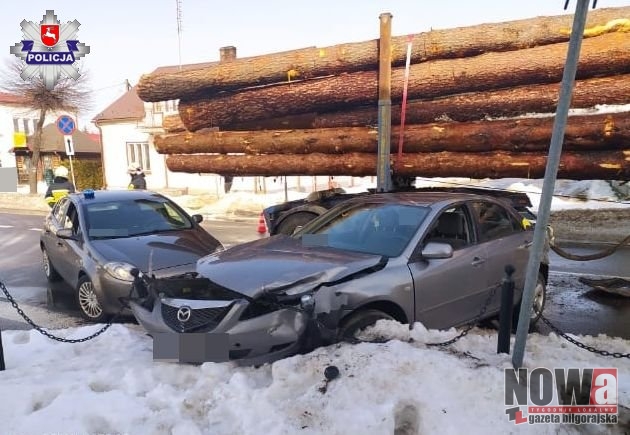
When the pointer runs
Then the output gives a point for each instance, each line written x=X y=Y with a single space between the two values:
x=112 y=385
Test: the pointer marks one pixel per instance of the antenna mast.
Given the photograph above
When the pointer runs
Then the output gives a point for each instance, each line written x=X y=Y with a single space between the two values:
x=179 y=31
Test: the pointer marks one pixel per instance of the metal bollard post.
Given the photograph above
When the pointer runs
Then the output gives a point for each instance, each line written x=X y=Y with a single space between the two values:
x=2 y=366
x=505 y=314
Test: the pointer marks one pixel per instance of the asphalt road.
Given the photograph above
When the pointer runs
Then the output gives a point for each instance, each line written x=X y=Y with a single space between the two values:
x=573 y=306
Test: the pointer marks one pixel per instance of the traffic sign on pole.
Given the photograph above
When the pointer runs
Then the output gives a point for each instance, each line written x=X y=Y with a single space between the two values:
x=66 y=125
x=69 y=144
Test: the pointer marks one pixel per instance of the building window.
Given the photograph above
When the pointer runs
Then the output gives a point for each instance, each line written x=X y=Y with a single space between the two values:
x=138 y=152
x=27 y=126
x=24 y=125
x=171 y=106
x=158 y=107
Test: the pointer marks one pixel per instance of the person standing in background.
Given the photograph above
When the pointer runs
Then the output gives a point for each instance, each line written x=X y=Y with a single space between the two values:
x=138 y=180
x=60 y=186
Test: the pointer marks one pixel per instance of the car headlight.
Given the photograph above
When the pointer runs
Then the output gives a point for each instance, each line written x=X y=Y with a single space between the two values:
x=307 y=301
x=121 y=271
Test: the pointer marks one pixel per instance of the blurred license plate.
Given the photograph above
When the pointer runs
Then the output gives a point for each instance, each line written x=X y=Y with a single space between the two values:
x=190 y=347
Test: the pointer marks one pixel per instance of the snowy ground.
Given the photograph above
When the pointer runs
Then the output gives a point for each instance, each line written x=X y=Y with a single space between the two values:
x=111 y=385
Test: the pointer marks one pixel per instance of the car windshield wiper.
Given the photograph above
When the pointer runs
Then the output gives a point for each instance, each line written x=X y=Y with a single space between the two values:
x=147 y=233
x=109 y=237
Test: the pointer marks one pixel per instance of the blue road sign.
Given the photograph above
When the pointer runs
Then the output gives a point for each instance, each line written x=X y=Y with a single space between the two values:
x=66 y=124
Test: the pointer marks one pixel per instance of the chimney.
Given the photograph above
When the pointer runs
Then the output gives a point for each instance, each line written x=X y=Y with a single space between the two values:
x=227 y=53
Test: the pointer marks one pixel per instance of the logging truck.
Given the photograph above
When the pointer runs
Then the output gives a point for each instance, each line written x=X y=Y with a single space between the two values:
x=286 y=217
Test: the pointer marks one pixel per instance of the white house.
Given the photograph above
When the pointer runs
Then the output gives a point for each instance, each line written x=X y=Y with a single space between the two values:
x=17 y=122
x=127 y=127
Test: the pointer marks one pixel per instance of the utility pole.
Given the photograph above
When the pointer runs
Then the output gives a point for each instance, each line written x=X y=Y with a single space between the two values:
x=551 y=171
x=383 y=172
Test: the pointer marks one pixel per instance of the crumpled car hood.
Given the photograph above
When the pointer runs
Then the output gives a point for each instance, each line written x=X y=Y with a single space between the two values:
x=281 y=262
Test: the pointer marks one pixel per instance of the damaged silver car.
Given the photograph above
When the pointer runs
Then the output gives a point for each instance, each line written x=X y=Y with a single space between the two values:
x=434 y=258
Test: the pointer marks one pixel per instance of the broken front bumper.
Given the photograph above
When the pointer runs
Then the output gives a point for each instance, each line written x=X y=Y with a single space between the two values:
x=197 y=331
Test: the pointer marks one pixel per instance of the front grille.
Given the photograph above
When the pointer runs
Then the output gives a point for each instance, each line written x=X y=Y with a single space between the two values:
x=194 y=288
x=201 y=320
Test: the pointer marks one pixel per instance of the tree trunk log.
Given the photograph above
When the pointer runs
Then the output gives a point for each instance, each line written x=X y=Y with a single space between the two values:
x=312 y=62
x=590 y=132
x=462 y=107
x=598 y=165
x=604 y=55
x=173 y=124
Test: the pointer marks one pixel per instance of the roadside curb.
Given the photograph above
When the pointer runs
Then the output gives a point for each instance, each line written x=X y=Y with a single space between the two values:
x=24 y=211
x=13 y=325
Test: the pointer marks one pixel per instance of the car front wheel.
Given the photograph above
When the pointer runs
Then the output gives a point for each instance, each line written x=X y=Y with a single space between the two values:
x=357 y=322
x=538 y=306
x=87 y=299
x=49 y=270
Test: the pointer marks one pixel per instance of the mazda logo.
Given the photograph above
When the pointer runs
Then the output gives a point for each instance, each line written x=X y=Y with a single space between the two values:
x=183 y=314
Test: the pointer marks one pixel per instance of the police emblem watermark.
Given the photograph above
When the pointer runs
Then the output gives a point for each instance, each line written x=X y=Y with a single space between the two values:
x=50 y=49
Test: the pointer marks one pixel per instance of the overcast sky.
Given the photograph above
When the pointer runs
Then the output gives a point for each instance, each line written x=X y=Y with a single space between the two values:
x=129 y=38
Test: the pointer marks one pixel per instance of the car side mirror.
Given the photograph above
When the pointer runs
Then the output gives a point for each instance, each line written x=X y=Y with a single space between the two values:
x=67 y=234
x=197 y=218
x=437 y=250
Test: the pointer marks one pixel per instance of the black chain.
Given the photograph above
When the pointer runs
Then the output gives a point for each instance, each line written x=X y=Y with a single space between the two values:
x=470 y=325
x=553 y=327
x=599 y=255
x=570 y=339
x=48 y=334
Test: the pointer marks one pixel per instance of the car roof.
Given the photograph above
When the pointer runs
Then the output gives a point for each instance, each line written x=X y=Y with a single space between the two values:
x=422 y=198
x=101 y=196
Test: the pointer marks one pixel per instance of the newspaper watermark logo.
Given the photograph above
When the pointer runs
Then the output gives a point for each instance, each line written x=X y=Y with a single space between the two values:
x=567 y=396
x=50 y=49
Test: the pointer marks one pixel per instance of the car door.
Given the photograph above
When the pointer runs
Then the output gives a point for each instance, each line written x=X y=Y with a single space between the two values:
x=450 y=291
x=52 y=223
x=506 y=242
x=69 y=252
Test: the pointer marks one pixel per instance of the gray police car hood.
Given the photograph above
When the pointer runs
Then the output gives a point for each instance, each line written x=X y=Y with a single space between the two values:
x=281 y=262
x=158 y=252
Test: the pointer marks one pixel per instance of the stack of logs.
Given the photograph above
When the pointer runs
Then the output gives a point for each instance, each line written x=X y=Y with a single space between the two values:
x=477 y=96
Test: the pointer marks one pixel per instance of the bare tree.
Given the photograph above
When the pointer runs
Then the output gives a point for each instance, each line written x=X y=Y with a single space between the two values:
x=68 y=95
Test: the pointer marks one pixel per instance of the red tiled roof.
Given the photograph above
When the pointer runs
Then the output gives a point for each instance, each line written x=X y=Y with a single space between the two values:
x=52 y=142
x=6 y=98
x=96 y=137
x=127 y=106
